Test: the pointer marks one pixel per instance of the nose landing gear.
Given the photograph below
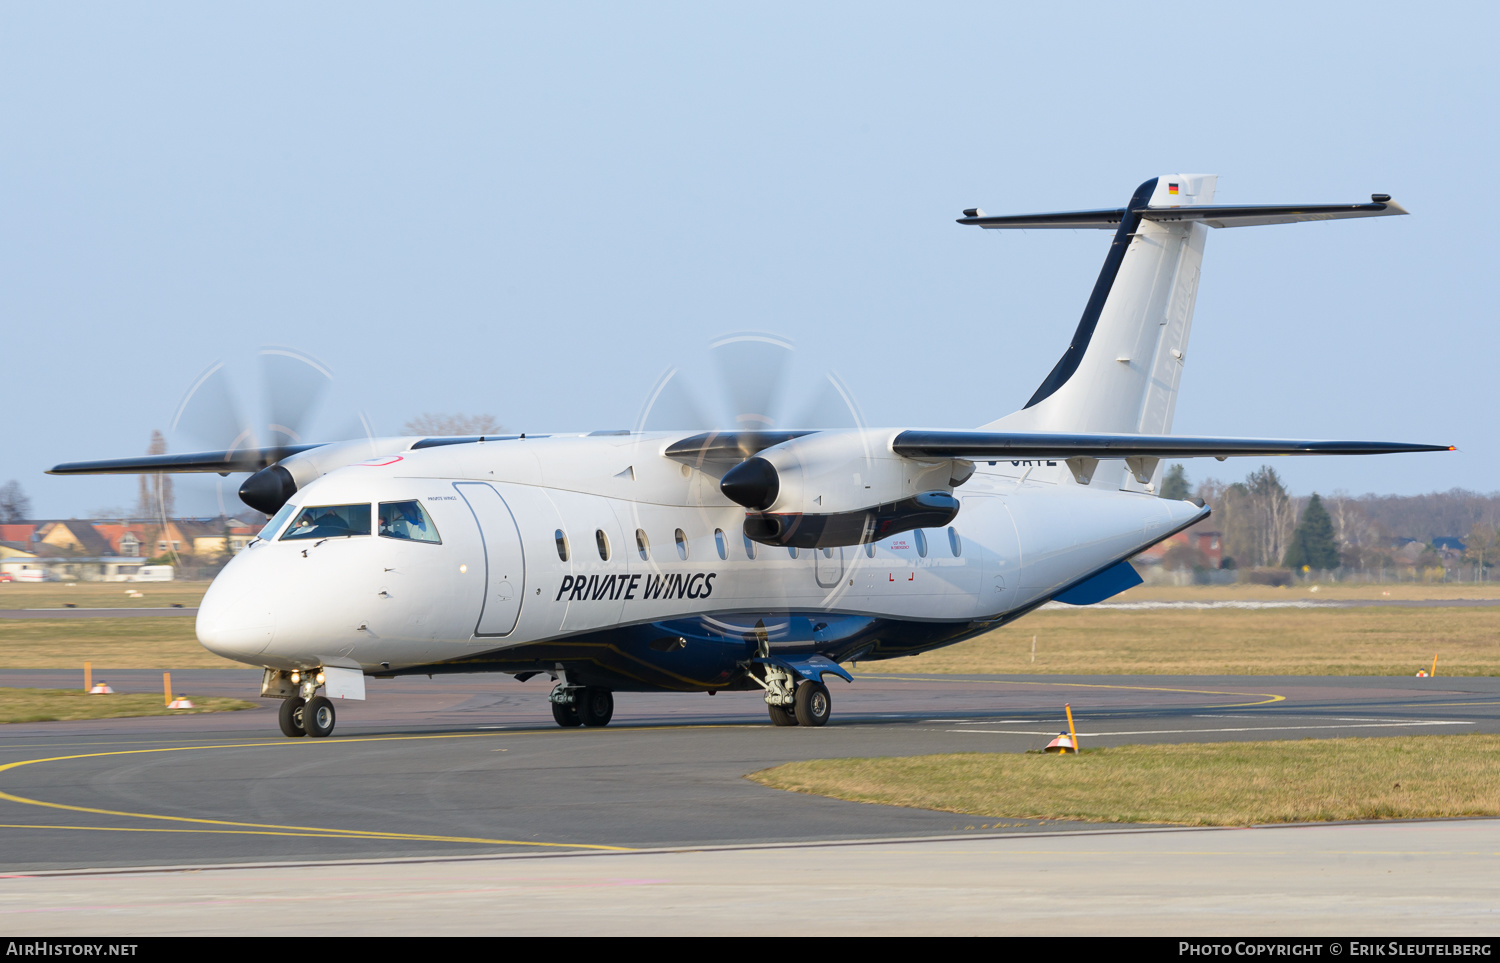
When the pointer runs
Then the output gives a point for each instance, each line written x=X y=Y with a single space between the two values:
x=303 y=712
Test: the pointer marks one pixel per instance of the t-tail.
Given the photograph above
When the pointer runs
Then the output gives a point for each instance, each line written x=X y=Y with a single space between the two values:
x=1121 y=371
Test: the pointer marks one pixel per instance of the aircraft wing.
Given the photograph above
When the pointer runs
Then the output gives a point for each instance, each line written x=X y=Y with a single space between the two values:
x=997 y=445
x=222 y=462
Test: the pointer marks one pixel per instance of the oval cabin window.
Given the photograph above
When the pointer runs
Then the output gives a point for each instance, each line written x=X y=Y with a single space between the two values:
x=642 y=545
x=955 y=543
x=562 y=545
x=721 y=544
x=603 y=542
x=682 y=546
x=921 y=539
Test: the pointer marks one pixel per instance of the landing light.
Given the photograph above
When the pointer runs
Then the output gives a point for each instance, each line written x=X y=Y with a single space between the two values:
x=321 y=679
x=296 y=678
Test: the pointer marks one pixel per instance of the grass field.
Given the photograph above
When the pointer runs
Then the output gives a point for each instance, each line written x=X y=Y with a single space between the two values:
x=1354 y=641
x=99 y=595
x=57 y=705
x=131 y=643
x=1217 y=784
x=1325 y=590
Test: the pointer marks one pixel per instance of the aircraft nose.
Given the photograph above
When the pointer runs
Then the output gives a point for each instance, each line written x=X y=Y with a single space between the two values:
x=235 y=620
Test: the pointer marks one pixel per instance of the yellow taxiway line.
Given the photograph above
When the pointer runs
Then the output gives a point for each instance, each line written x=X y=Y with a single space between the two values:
x=271 y=829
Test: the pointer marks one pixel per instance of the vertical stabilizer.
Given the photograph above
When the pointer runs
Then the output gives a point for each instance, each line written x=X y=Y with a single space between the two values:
x=1122 y=369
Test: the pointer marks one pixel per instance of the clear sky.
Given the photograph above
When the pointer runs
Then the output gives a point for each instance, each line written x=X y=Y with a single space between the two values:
x=532 y=209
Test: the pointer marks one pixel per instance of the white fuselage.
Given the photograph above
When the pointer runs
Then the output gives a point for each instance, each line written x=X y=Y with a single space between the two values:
x=498 y=580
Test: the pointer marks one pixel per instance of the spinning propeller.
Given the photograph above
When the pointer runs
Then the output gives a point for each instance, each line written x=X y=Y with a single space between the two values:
x=293 y=386
x=751 y=382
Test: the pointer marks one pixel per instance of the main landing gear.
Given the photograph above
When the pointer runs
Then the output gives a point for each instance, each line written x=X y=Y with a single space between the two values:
x=306 y=713
x=586 y=705
x=790 y=702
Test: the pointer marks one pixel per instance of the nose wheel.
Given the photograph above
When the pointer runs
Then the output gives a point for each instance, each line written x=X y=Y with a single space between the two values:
x=290 y=717
x=300 y=717
x=318 y=717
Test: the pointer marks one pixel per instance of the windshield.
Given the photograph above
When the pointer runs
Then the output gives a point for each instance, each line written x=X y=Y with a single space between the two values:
x=330 y=521
x=269 y=530
x=407 y=520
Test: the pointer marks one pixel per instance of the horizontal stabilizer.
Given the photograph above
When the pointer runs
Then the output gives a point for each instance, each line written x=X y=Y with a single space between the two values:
x=1103 y=220
x=1214 y=215
x=994 y=445
x=223 y=462
x=1250 y=215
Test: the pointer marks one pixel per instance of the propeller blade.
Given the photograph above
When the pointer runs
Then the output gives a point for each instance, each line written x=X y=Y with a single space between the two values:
x=832 y=407
x=293 y=384
x=209 y=416
x=670 y=407
x=752 y=369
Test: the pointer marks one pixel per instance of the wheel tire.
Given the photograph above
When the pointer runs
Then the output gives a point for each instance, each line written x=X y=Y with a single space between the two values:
x=595 y=706
x=814 y=704
x=566 y=716
x=318 y=717
x=290 y=717
x=780 y=716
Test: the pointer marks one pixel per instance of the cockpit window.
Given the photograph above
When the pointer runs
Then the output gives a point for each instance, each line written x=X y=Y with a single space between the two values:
x=330 y=521
x=407 y=520
x=269 y=530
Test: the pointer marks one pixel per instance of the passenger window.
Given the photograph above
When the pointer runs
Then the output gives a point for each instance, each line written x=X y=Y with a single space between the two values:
x=720 y=544
x=749 y=548
x=682 y=546
x=602 y=540
x=791 y=550
x=562 y=545
x=828 y=553
x=955 y=543
x=330 y=521
x=921 y=538
x=407 y=520
x=642 y=545
x=269 y=530
x=869 y=549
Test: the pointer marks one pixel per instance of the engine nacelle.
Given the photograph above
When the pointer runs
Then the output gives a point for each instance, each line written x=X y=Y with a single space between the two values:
x=842 y=488
x=270 y=488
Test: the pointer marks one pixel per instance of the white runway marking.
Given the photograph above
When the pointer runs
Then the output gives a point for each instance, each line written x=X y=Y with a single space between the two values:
x=1161 y=732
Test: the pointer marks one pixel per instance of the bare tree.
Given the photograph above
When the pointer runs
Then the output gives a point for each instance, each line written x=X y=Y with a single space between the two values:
x=428 y=423
x=1275 y=514
x=14 y=505
x=155 y=497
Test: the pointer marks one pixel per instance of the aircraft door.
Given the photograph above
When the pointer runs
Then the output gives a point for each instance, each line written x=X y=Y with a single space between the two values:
x=828 y=566
x=505 y=564
x=987 y=524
